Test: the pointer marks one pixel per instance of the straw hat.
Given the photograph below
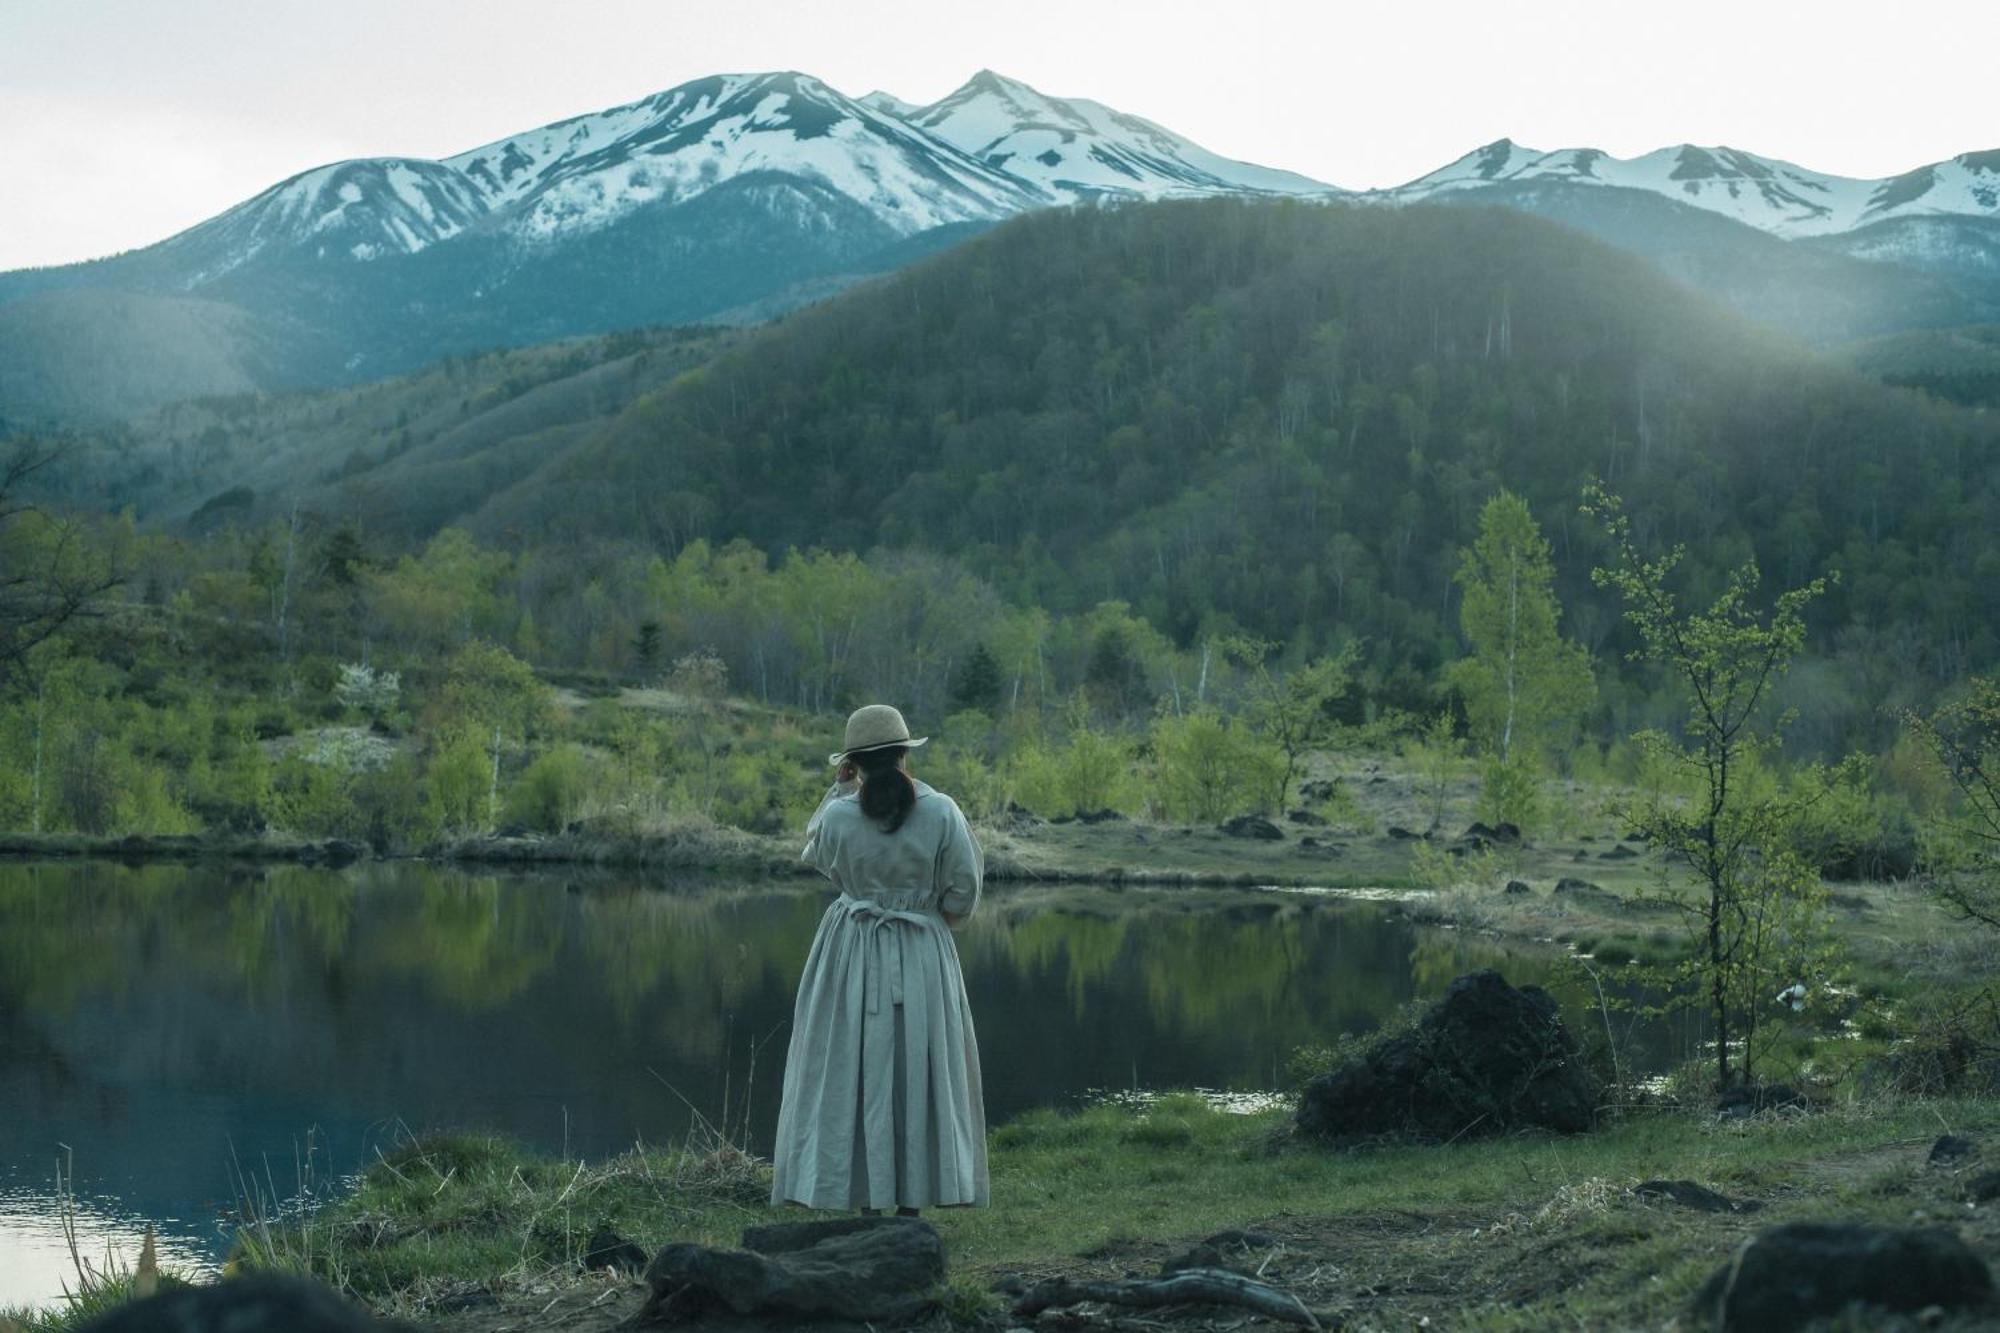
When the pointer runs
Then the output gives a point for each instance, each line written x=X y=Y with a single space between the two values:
x=875 y=727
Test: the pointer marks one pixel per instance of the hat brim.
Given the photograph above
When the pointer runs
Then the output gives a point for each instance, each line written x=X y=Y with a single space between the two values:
x=909 y=744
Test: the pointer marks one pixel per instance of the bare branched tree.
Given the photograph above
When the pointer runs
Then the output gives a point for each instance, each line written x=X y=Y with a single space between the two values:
x=49 y=577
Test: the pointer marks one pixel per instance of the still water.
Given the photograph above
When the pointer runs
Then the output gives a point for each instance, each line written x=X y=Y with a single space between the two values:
x=167 y=1029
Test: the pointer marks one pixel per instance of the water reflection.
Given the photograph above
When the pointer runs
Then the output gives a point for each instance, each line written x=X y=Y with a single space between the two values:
x=174 y=1024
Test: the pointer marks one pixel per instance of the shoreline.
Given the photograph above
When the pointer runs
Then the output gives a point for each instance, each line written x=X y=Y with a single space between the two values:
x=1011 y=859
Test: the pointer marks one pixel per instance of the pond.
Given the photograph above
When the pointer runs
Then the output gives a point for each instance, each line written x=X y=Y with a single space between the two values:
x=171 y=1031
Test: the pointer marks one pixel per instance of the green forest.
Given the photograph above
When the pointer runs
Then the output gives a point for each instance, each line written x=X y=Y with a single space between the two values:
x=1099 y=479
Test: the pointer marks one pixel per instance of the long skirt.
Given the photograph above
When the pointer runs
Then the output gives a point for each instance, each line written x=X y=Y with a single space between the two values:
x=882 y=1106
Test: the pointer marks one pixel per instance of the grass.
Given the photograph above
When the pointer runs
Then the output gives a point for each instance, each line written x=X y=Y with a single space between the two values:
x=1511 y=1234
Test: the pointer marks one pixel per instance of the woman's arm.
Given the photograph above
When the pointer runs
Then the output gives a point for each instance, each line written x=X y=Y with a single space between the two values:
x=819 y=849
x=961 y=867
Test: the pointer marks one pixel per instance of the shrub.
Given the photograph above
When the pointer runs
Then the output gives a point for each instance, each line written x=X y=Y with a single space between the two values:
x=1207 y=768
x=551 y=789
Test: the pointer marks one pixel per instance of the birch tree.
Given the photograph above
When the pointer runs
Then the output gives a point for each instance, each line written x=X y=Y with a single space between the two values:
x=1526 y=688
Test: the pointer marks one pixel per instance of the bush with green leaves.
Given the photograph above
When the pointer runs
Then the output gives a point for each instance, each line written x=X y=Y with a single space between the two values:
x=1208 y=767
x=552 y=789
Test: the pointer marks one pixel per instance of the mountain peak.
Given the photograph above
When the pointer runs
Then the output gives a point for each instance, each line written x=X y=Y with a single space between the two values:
x=1077 y=150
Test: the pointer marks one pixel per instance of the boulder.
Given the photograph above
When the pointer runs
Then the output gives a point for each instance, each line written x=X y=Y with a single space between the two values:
x=875 y=1270
x=1951 y=1150
x=1517 y=887
x=1253 y=826
x=1791 y=1275
x=1487 y=1058
x=1504 y=833
x=1317 y=789
x=257 y=1303
x=1619 y=853
x=612 y=1252
x=1585 y=894
x=1307 y=818
x=1983 y=1188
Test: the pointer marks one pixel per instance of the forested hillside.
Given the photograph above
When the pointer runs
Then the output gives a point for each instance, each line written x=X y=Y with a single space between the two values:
x=1287 y=417
x=1272 y=417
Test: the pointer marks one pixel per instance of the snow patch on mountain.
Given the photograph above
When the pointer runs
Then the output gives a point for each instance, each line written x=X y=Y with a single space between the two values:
x=355 y=210
x=1075 y=149
x=585 y=173
x=1767 y=193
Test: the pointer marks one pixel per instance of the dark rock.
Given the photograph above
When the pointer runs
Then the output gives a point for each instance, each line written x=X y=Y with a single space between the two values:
x=789 y=1237
x=1747 y=1100
x=1585 y=894
x=1619 y=853
x=1253 y=826
x=1690 y=1195
x=1491 y=833
x=1098 y=816
x=258 y=1303
x=610 y=1251
x=1198 y=1256
x=863 y=1269
x=1507 y=833
x=1485 y=1059
x=1401 y=834
x=1517 y=887
x=1951 y=1150
x=1306 y=817
x=1318 y=789
x=1786 y=1277
x=1983 y=1188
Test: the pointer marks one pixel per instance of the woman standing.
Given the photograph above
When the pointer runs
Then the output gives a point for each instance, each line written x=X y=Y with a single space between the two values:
x=882 y=1105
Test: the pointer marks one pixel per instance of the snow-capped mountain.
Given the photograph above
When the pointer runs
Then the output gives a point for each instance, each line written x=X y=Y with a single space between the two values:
x=580 y=174
x=1078 y=150
x=735 y=197
x=1761 y=192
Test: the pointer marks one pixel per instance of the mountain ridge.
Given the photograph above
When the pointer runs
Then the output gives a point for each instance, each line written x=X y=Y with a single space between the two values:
x=739 y=196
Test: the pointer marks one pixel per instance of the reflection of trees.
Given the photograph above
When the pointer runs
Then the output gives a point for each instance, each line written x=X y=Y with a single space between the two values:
x=683 y=964
x=471 y=941
x=1070 y=988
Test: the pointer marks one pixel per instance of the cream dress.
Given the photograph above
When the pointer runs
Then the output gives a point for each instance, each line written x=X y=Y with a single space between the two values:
x=882 y=1105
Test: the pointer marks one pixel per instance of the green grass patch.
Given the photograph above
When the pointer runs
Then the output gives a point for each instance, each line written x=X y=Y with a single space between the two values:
x=1069 y=1187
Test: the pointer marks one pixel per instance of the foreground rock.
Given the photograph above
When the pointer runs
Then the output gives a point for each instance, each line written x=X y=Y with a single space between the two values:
x=1951 y=1150
x=1688 y=1194
x=1790 y=1275
x=874 y=1270
x=1485 y=1059
x=260 y=1303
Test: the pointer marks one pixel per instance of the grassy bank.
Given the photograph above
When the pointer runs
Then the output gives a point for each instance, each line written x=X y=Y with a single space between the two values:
x=1530 y=1232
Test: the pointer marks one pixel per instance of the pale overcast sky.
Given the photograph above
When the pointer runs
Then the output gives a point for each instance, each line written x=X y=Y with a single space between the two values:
x=122 y=121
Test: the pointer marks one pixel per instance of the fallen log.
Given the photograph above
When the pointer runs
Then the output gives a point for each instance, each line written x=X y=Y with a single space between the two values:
x=1191 y=1286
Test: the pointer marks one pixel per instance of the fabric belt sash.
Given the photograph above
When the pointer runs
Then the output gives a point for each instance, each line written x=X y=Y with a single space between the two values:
x=884 y=954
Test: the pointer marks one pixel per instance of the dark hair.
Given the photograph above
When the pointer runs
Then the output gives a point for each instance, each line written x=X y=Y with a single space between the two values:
x=887 y=794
